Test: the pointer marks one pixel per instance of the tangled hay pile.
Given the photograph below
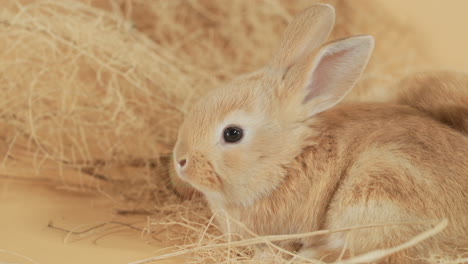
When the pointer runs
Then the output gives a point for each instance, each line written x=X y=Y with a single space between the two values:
x=93 y=91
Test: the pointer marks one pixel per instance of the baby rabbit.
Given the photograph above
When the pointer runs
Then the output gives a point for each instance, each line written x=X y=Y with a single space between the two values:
x=274 y=151
x=443 y=95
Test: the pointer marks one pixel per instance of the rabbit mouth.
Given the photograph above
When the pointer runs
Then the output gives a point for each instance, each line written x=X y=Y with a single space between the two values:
x=201 y=174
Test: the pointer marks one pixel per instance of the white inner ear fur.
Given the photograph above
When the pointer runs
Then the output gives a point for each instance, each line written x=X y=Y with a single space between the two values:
x=335 y=70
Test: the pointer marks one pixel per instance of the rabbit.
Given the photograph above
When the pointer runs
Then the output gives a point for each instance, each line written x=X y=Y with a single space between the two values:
x=443 y=95
x=356 y=17
x=275 y=151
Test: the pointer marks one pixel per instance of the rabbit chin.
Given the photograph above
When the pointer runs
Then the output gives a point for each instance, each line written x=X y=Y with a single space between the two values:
x=210 y=191
x=222 y=197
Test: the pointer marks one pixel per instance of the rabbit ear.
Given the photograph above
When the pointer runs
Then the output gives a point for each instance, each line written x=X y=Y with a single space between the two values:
x=321 y=80
x=306 y=32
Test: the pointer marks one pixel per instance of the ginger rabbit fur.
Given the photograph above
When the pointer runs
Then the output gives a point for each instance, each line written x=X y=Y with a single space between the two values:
x=441 y=94
x=305 y=164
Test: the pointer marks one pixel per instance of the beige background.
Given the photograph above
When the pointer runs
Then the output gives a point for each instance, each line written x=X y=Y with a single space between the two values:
x=25 y=231
x=445 y=24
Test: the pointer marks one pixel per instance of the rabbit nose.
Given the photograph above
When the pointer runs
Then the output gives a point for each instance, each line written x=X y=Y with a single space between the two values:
x=182 y=163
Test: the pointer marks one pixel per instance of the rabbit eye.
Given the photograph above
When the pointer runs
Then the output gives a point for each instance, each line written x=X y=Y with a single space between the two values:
x=232 y=134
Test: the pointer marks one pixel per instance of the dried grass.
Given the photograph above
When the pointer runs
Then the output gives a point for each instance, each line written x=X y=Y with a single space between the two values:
x=242 y=243
x=18 y=255
x=105 y=83
x=93 y=92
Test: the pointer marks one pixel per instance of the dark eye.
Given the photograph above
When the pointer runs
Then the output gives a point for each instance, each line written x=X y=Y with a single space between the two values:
x=232 y=134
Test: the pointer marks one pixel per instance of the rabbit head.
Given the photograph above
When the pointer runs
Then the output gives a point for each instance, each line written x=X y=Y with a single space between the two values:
x=235 y=142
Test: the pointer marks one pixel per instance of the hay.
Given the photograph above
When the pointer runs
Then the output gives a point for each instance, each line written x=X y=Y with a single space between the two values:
x=106 y=83
x=18 y=255
x=364 y=258
x=93 y=91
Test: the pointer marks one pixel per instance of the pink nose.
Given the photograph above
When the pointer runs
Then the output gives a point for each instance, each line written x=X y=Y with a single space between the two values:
x=182 y=162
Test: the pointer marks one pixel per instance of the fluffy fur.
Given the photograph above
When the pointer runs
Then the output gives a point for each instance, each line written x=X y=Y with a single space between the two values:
x=442 y=95
x=305 y=164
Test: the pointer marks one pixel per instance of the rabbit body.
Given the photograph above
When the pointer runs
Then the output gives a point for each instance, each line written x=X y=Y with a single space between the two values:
x=367 y=164
x=441 y=94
